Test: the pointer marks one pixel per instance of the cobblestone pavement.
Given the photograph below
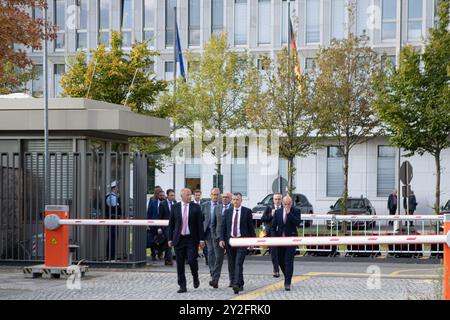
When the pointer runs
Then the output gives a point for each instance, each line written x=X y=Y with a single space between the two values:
x=312 y=280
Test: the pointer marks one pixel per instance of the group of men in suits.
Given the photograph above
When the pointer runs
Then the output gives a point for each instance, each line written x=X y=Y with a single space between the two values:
x=214 y=223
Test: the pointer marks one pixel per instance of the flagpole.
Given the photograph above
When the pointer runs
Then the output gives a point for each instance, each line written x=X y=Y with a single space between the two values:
x=45 y=71
x=175 y=35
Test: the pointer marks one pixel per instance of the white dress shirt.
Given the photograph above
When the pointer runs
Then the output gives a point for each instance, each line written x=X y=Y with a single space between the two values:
x=238 y=222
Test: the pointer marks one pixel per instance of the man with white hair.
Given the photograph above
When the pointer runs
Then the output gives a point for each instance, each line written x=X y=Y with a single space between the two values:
x=185 y=235
x=284 y=224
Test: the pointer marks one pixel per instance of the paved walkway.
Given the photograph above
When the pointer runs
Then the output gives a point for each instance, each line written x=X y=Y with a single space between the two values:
x=312 y=280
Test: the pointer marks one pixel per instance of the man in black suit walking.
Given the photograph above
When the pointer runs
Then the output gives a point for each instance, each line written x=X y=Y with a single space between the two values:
x=267 y=219
x=165 y=211
x=185 y=235
x=392 y=204
x=284 y=224
x=237 y=222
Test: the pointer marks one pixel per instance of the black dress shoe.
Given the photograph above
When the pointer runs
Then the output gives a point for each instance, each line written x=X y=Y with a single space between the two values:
x=287 y=287
x=276 y=274
x=231 y=285
x=196 y=283
x=182 y=290
x=236 y=289
x=241 y=288
x=214 y=284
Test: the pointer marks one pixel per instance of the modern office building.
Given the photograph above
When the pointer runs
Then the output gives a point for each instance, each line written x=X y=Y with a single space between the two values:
x=260 y=26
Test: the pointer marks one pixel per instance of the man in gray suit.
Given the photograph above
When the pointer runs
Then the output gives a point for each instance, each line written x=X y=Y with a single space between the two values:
x=216 y=229
x=208 y=209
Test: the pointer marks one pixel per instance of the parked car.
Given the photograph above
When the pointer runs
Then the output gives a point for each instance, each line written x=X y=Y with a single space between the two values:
x=355 y=206
x=300 y=201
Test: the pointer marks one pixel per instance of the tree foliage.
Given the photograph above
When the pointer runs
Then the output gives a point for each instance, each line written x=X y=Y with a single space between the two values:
x=343 y=95
x=116 y=76
x=414 y=100
x=19 y=32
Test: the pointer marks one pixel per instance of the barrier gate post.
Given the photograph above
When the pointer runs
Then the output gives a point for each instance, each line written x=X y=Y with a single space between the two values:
x=446 y=260
x=57 y=240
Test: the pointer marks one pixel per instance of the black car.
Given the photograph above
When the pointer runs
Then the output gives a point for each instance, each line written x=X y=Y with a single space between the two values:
x=355 y=206
x=300 y=201
x=446 y=208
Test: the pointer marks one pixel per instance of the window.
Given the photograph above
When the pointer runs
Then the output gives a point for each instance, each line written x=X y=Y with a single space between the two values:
x=240 y=22
x=168 y=70
x=338 y=19
x=309 y=64
x=194 y=22
x=82 y=24
x=192 y=175
x=389 y=20
x=284 y=19
x=264 y=22
x=283 y=170
x=362 y=17
x=37 y=85
x=436 y=11
x=335 y=172
x=104 y=21
x=312 y=21
x=239 y=170
x=127 y=22
x=58 y=71
x=37 y=14
x=60 y=22
x=385 y=170
x=414 y=19
x=217 y=16
x=170 y=22
x=149 y=20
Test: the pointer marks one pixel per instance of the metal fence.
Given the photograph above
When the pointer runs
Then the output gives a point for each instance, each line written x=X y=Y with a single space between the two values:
x=314 y=225
x=82 y=182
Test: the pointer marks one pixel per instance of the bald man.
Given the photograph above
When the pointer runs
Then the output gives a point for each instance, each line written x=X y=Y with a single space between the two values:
x=285 y=222
x=185 y=235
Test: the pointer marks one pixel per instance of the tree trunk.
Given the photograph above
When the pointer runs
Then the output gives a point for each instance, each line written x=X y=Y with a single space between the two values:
x=290 y=175
x=345 y=193
x=437 y=194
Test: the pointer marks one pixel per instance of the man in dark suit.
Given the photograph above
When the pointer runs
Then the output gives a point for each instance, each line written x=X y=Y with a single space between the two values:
x=285 y=223
x=153 y=214
x=216 y=230
x=237 y=222
x=392 y=204
x=165 y=210
x=209 y=210
x=267 y=218
x=185 y=235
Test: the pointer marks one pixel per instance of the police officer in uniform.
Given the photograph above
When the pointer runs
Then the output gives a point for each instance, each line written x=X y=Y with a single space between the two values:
x=113 y=211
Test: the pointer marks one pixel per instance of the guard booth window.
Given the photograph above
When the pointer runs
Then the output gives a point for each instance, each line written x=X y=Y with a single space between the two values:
x=335 y=172
x=385 y=170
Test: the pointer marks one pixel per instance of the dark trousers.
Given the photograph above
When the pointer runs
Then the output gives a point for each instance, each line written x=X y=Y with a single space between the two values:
x=392 y=211
x=186 y=250
x=286 y=261
x=111 y=243
x=168 y=250
x=274 y=257
x=236 y=257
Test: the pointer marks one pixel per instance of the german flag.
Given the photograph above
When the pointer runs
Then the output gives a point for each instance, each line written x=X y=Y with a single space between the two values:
x=293 y=47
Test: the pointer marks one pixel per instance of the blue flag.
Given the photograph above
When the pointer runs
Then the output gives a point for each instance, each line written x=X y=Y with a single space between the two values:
x=180 y=56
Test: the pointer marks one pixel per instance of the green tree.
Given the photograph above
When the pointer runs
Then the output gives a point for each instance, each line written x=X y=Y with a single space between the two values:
x=414 y=100
x=120 y=77
x=213 y=94
x=343 y=94
x=13 y=79
x=281 y=100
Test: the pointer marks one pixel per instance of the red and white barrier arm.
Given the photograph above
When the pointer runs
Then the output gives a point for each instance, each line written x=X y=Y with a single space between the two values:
x=337 y=217
x=53 y=222
x=334 y=241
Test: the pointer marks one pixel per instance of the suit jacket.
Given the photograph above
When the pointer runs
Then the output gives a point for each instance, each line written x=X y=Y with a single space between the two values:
x=412 y=202
x=216 y=226
x=206 y=210
x=164 y=211
x=392 y=202
x=267 y=217
x=288 y=229
x=246 y=224
x=195 y=223
x=153 y=213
